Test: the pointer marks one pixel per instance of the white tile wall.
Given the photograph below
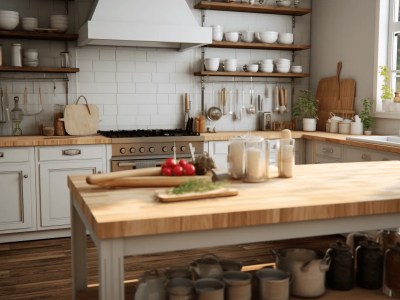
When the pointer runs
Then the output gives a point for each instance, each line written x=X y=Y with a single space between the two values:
x=144 y=87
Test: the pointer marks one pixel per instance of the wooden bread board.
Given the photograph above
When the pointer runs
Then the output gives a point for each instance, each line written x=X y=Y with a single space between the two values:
x=151 y=181
x=164 y=196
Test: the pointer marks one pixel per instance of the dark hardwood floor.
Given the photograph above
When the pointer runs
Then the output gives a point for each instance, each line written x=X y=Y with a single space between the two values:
x=42 y=269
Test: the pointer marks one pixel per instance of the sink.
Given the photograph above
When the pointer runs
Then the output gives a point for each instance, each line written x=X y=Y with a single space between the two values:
x=389 y=140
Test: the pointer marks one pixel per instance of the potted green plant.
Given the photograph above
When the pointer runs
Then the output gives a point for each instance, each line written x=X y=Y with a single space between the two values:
x=306 y=107
x=366 y=115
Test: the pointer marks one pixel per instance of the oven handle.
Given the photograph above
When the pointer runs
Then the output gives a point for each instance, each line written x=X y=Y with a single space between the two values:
x=133 y=164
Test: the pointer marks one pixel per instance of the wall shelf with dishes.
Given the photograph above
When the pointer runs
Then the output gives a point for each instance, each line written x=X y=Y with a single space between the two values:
x=38 y=69
x=252 y=8
x=254 y=45
x=252 y=74
x=38 y=35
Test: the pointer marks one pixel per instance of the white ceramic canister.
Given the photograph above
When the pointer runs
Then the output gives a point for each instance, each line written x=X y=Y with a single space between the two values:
x=16 y=55
x=238 y=285
x=236 y=157
x=344 y=127
x=254 y=159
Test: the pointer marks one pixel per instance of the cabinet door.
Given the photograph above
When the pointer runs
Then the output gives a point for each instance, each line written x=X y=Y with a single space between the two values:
x=17 y=198
x=54 y=192
x=354 y=154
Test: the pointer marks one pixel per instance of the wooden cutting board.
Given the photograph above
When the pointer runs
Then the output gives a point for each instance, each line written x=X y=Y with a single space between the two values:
x=328 y=93
x=164 y=196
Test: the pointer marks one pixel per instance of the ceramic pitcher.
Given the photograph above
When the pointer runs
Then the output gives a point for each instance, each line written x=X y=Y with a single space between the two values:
x=207 y=266
x=151 y=287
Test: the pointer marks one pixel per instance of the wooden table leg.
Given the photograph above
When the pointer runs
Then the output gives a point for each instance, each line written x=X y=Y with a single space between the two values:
x=111 y=269
x=78 y=252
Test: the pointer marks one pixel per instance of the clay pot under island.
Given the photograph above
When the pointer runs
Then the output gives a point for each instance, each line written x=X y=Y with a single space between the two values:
x=340 y=275
x=391 y=277
x=369 y=265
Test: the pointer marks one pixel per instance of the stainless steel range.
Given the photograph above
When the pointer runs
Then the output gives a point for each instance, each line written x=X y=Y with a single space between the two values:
x=135 y=149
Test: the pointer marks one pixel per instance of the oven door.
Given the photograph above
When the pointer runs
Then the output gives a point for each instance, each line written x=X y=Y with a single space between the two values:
x=126 y=163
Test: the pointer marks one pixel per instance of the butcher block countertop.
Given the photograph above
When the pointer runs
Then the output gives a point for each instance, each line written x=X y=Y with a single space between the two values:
x=28 y=141
x=316 y=192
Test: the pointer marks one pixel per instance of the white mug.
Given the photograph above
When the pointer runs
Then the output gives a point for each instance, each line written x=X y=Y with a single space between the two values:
x=211 y=64
x=247 y=36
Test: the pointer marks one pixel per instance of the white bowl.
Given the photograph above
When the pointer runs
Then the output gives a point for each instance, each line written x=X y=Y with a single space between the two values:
x=282 y=61
x=266 y=68
x=8 y=21
x=250 y=68
x=282 y=69
x=266 y=61
x=247 y=36
x=285 y=38
x=31 y=53
x=58 y=18
x=9 y=12
x=232 y=36
x=230 y=67
x=61 y=28
x=211 y=64
x=283 y=2
x=29 y=24
x=296 y=69
x=269 y=37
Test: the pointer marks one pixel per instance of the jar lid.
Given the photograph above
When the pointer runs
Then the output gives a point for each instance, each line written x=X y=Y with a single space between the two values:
x=340 y=245
x=370 y=244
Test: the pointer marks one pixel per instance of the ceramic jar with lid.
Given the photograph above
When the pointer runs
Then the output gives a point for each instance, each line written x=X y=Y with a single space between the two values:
x=388 y=237
x=340 y=275
x=391 y=281
x=369 y=265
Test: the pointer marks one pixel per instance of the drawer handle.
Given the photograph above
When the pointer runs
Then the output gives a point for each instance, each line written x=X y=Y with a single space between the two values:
x=1 y=154
x=327 y=150
x=365 y=156
x=26 y=176
x=71 y=152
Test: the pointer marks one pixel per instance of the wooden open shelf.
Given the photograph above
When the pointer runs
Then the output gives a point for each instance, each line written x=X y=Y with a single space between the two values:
x=261 y=46
x=252 y=8
x=252 y=74
x=38 y=35
x=39 y=69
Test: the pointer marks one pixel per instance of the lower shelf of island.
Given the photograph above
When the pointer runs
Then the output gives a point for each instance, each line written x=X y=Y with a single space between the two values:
x=252 y=74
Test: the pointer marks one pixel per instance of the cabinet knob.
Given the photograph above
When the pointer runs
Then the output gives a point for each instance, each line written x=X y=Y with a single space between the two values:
x=71 y=152
x=1 y=154
x=327 y=150
x=26 y=176
x=98 y=172
x=365 y=156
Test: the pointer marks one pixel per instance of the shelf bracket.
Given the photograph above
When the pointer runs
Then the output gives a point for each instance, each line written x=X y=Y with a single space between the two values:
x=293 y=22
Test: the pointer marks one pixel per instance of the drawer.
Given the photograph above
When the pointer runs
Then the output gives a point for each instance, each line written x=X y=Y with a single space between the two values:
x=72 y=152
x=356 y=154
x=8 y=155
x=325 y=160
x=329 y=150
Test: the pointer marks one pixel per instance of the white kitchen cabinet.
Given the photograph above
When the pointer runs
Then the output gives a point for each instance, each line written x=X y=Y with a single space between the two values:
x=324 y=152
x=55 y=164
x=17 y=186
x=354 y=154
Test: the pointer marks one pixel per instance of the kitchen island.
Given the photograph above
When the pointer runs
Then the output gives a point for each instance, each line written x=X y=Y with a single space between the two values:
x=318 y=200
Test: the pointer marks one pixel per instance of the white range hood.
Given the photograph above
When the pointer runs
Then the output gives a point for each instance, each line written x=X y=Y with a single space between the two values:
x=143 y=23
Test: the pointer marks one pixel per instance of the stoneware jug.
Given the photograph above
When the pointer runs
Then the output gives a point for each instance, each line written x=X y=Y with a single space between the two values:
x=391 y=274
x=207 y=266
x=151 y=287
x=341 y=271
x=308 y=270
x=209 y=289
x=369 y=265
x=180 y=289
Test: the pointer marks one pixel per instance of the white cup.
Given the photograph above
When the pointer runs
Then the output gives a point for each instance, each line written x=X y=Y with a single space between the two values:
x=267 y=68
x=212 y=64
x=31 y=54
x=247 y=36
x=232 y=36
x=285 y=38
x=217 y=33
x=267 y=36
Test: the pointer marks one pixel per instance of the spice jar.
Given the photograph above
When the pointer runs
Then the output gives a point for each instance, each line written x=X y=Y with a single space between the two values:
x=340 y=275
x=391 y=281
x=58 y=125
x=369 y=265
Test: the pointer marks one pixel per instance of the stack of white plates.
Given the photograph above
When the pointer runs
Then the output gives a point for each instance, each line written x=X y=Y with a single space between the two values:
x=59 y=22
x=31 y=58
x=30 y=24
x=9 y=19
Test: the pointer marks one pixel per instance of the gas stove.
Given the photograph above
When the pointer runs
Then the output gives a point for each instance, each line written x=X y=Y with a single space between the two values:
x=132 y=149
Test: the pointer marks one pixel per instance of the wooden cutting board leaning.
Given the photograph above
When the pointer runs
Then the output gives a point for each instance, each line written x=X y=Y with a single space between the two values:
x=335 y=95
x=81 y=119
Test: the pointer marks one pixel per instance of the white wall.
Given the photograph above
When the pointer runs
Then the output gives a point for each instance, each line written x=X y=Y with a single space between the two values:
x=143 y=87
x=344 y=30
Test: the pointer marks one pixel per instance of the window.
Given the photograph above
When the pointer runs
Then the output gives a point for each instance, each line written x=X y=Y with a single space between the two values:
x=394 y=45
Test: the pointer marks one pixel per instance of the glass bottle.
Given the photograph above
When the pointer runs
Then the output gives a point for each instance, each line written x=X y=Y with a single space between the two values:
x=391 y=273
x=17 y=115
x=340 y=275
x=369 y=265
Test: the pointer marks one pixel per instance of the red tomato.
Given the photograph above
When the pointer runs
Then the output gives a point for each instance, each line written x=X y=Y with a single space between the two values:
x=189 y=169
x=164 y=165
x=170 y=162
x=183 y=163
x=177 y=170
x=167 y=171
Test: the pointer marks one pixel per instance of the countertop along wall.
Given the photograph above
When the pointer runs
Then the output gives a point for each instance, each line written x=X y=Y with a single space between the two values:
x=144 y=87
x=344 y=30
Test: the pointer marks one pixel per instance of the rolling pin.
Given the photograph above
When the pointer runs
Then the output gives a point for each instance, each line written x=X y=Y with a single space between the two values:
x=101 y=178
